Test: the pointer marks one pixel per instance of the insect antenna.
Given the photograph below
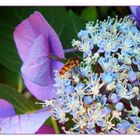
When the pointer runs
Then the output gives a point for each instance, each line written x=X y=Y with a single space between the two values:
x=54 y=57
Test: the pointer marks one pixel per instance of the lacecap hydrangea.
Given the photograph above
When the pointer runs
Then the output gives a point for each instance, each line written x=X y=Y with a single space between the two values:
x=102 y=94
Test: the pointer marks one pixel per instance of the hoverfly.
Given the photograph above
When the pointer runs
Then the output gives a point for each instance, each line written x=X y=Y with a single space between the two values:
x=71 y=63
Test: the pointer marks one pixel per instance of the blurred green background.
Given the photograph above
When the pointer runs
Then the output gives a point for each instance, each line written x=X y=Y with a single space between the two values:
x=66 y=21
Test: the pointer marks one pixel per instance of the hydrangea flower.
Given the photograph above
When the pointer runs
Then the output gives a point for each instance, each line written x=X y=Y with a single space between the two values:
x=97 y=96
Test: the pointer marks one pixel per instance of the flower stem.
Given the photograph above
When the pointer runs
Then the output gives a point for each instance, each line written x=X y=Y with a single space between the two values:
x=55 y=126
x=20 y=84
x=70 y=50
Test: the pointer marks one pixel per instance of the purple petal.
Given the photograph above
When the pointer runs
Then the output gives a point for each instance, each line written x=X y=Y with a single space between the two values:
x=101 y=49
x=107 y=54
x=23 y=124
x=41 y=92
x=36 y=67
x=44 y=92
x=113 y=132
x=26 y=32
x=45 y=130
x=55 y=65
x=6 y=109
x=136 y=13
x=134 y=119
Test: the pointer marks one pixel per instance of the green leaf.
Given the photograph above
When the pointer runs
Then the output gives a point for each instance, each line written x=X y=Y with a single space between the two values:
x=20 y=103
x=56 y=16
x=89 y=13
x=8 y=53
x=104 y=11
x=73 y=25
x=8 y=77
x=10 y=59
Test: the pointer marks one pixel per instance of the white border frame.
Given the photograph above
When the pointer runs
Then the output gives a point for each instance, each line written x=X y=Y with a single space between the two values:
x=68 y=2
x=70 y=137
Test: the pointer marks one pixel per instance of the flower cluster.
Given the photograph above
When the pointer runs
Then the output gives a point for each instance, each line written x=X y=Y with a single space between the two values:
x=99 y=96
x=102 y=94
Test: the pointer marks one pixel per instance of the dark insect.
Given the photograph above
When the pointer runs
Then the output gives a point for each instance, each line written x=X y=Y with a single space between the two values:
x=71 y=63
